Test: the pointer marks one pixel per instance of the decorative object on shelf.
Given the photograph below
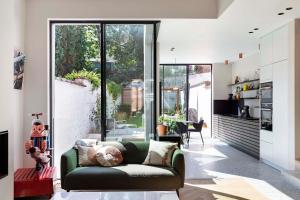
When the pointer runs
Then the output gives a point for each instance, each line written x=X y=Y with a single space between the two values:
x=237 y=79
x=245 y=87
x=38 y=143
x=230 y=96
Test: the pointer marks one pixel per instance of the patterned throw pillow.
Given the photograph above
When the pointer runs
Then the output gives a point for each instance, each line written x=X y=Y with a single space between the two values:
x=160 y=153
x=109 y=156
x=87 y=155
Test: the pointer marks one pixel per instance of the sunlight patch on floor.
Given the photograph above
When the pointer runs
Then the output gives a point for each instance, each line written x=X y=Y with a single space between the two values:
x=260 y=185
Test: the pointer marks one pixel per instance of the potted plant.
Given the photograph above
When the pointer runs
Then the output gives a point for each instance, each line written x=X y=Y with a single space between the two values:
x=162 y=127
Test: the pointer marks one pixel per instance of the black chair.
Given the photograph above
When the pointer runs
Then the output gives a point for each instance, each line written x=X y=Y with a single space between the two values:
x=197 y=128
x=182 y=130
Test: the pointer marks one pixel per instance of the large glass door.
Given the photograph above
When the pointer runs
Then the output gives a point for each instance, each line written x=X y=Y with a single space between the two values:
x=129 y=81
x=102 y=82
x=186 y=92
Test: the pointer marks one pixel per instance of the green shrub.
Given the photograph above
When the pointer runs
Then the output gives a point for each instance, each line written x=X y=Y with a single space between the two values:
x=93 y=77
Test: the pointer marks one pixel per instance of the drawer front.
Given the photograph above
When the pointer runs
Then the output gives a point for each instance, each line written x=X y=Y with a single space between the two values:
x=266 y=151
x=266 y=136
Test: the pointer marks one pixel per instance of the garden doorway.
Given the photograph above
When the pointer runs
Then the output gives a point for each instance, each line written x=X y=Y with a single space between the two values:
x=102 y=82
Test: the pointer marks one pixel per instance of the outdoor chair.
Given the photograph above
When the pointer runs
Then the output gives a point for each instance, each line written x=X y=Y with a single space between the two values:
x=197 y=128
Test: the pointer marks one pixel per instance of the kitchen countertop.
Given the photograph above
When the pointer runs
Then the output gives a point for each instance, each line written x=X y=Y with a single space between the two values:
x=238 y=117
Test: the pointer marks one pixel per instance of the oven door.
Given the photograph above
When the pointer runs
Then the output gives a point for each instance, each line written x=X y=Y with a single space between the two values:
x=266 y=92
x=266 y=119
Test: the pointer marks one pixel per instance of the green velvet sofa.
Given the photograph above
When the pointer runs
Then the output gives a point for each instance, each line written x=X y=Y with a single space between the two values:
x=130 y=175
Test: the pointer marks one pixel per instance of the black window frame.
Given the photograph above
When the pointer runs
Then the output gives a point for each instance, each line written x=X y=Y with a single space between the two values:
x=102 y=23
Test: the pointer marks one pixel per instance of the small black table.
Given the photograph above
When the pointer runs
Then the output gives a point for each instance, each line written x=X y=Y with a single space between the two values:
x=171 y=138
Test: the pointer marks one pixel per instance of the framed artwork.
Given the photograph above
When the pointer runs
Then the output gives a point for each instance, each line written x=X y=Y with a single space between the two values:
x=19 y=61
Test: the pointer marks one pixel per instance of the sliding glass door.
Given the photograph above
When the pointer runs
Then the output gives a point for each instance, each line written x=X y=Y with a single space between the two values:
x=186 y=92
x=129 y=81
x=102 y=82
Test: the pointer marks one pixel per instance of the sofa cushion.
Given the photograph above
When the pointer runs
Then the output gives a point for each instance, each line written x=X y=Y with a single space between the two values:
x=135 y=152
x=109 y=156
x=160 y=153
x=87 y=155
x=130 y=176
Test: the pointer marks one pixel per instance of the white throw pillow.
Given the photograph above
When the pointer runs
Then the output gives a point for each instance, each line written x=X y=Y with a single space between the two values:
x=87 y=155
x=85 y=142
x=109 y=156
x=160 y=153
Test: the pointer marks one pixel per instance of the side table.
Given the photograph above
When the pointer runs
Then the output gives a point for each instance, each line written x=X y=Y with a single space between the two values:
x=171 y=138
x=28 y=183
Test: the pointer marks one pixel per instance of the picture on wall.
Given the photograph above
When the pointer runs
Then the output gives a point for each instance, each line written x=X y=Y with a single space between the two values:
x=19 y=61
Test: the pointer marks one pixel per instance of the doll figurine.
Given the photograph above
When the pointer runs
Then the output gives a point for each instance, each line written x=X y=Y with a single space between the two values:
x=37 y=145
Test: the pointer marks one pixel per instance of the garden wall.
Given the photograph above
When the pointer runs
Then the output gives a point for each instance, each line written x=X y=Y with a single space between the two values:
x=73 y=106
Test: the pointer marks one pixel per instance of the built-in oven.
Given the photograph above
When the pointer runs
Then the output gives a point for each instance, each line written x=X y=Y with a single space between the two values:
x=266 y=107
x=266 y=92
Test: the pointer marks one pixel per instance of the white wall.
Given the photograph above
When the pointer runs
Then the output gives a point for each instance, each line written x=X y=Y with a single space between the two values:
x=19 y=31
x=6 y=85
x=222 y=76
x=246 y=67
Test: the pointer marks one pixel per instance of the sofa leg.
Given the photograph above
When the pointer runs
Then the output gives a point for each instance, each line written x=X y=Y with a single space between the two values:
x=68 y=190
x=177 y=192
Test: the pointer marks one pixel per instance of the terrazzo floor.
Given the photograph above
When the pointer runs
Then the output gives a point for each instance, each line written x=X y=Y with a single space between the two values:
x=217 y=160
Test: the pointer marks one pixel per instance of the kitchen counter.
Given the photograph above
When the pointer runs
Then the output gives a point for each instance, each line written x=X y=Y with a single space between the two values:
x=241 y=133
x=239 y=117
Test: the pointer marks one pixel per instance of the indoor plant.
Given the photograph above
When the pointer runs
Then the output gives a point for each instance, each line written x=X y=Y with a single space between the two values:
x=162 y=127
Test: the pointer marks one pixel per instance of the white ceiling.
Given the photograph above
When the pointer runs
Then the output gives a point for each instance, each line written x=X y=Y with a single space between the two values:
x=215 y=40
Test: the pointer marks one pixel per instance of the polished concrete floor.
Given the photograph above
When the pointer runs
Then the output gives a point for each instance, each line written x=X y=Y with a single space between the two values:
x=217 y=160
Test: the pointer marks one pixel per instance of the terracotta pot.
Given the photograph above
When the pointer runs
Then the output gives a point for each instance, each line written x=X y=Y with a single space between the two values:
x=162 y=129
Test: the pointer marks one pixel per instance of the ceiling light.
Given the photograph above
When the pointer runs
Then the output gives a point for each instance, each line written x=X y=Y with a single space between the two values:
x=256 y=29
x=241 y=55
x=281 y=13
x=289 y=8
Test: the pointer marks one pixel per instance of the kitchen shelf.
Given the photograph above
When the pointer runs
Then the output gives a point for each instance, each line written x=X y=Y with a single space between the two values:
x=240 y=83
x=250 y=98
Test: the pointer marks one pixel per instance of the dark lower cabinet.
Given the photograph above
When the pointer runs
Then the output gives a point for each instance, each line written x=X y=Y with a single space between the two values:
x=242 y=134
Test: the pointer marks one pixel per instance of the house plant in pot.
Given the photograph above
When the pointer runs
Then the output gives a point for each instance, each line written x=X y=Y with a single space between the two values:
x=162 y=127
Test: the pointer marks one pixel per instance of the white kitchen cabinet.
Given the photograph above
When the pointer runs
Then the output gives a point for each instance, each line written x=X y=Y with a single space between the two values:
x=266 y=136
x=266 y=50
x=266 y=151
x=280 y=44
x=280 y=113
x=266 y=74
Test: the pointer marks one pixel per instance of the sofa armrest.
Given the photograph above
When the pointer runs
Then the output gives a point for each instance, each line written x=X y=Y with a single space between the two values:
x=68 y=162
x=178 y=164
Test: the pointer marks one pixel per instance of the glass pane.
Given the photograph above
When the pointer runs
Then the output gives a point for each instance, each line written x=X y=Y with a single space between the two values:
x=174 y=90
x=76 y=85
x=200 y=94
x=129 y=81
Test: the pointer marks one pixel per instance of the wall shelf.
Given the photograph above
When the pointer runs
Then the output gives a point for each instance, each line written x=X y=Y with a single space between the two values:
x=249 y=98
x=240 y=83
